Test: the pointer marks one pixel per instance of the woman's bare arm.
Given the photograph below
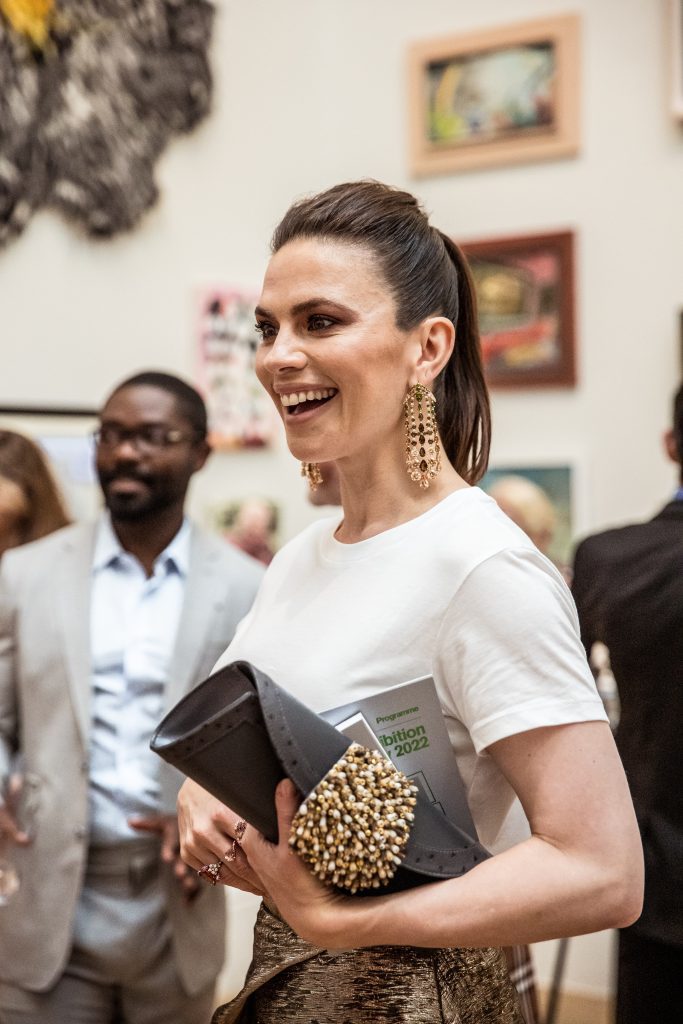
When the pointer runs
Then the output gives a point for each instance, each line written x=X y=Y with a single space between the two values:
x=580 y=871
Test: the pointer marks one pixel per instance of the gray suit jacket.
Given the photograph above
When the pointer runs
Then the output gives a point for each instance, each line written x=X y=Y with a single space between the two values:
x=45 y=687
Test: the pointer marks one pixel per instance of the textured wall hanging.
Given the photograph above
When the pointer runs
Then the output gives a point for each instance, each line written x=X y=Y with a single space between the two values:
x=90 y=92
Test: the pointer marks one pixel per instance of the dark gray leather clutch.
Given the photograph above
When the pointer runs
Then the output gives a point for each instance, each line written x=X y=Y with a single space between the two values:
x=238 y=734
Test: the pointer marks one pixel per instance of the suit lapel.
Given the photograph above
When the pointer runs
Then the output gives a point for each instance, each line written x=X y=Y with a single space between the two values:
x=73 y=601
x=201 y=602
x=674 y=510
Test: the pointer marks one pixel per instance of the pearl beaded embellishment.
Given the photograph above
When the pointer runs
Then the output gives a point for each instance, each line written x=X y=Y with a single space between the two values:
x=353 y=828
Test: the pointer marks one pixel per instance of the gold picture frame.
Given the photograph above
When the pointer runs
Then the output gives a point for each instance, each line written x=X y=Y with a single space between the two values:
x=499 y=96
x=675 y=29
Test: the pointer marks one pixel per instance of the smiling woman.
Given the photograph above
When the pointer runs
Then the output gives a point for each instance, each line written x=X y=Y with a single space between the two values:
x=371 y=355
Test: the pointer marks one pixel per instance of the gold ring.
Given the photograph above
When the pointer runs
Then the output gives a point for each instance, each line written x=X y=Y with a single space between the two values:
x=211 y=872
x=231 y=853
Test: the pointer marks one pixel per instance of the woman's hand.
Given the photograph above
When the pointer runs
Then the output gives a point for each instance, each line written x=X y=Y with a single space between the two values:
x=316 y=912
x=253 y=864
x=207 y=831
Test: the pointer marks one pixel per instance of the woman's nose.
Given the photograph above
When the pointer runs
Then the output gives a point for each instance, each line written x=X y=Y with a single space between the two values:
x=284 y=352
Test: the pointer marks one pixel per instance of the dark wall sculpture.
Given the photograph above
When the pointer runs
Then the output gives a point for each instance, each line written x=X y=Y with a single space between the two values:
x=90 y=92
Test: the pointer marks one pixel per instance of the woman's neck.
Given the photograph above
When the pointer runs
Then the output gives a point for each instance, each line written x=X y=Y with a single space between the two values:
x=377 y=495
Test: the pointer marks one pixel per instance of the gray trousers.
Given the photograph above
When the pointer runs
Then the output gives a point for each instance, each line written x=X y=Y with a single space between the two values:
x=121 y=969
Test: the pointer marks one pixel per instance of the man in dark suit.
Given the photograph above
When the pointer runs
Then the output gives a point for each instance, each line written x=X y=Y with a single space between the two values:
x=628 y=587
x=103 y=627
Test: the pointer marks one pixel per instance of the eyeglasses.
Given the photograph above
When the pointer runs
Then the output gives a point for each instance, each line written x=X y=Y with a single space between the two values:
x=145 y=440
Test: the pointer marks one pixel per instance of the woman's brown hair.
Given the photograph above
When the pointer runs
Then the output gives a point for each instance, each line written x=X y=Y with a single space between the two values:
x=428 y=276
x=22 y=462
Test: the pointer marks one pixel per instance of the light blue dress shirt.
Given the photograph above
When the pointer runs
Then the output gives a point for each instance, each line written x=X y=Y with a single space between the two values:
x=133 y=626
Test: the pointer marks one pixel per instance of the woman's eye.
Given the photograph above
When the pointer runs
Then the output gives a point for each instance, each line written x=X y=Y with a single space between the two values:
x=318 y=322
x=265 y=329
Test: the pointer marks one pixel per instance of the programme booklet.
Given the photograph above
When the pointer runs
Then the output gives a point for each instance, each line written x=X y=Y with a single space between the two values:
x=406 y=724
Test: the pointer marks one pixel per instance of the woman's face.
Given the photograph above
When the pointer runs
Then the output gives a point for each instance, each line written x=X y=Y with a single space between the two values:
x=332 y=358
x=13 y=514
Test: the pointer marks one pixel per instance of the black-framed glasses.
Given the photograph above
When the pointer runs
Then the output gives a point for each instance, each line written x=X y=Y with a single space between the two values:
x=148 y=439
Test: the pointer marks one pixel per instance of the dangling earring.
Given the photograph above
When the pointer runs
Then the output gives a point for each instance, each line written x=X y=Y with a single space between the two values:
x=311 y=470
x=423 y=452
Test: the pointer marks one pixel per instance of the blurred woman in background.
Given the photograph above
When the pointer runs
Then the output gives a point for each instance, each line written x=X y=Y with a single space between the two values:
x=30 y=503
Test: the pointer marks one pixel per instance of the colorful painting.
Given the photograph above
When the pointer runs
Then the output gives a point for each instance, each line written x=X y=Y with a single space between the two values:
x=494 y=95
x=539 y=500
x=239 y=410
x=498 y=96
x=525 y=299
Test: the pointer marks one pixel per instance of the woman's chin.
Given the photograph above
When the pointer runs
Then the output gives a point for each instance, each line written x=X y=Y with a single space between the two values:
x=303 y=453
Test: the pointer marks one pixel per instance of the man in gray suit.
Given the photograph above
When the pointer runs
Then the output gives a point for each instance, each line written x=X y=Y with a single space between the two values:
x=102 y=628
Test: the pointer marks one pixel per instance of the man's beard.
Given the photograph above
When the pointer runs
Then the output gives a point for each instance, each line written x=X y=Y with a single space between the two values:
x=130 y=507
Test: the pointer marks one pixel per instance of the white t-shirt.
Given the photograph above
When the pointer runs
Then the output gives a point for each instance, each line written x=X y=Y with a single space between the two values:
x=459 y=593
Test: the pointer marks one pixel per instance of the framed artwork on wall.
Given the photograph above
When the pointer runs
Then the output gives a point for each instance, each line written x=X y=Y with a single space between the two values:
x=676 y=34
x=499 y=96
x=239 y=410
x=539 y=499
x=525 y=298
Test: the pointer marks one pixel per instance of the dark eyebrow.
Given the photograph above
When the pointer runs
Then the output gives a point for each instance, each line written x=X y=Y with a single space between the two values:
x=109 y=421
x=305 y=307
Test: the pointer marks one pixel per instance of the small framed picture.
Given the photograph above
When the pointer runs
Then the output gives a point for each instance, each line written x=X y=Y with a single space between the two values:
x=539 y=499
x=239 y=410
x=525 y=300
x=676 y=35
x=500 y=96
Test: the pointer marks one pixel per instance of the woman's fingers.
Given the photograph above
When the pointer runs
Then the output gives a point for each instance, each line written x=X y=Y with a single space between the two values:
x=204 y=825
x=239 y=875
x=287 y=801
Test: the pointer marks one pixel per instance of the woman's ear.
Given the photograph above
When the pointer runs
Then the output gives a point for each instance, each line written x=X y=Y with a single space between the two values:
x=437 y=339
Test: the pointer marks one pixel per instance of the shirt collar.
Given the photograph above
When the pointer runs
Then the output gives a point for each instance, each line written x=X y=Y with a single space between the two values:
x=108 y=549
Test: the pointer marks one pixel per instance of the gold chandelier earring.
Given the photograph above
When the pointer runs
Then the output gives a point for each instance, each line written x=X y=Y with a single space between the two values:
x=423 y=451
x=311 y=470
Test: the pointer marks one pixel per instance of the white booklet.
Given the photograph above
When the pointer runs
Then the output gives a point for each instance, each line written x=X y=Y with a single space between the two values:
x=406 y=724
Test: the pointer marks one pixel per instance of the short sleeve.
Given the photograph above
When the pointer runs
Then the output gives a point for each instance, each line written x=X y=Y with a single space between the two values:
x=509 y=657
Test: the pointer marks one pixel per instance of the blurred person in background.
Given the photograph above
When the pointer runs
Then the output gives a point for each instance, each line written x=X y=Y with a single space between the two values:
x=628 y=588
x=250 y=526
x=530 y=507
x=102 y=626
x=30 y=503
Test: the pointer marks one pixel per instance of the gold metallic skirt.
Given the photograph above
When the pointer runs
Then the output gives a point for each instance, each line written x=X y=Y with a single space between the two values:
x=291 y=982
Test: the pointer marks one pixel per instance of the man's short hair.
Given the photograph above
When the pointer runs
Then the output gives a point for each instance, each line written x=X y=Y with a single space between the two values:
x=190 y=403
x=677 y=423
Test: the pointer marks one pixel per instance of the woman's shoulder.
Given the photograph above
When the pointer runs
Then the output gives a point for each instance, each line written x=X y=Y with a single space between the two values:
x=468 y=528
